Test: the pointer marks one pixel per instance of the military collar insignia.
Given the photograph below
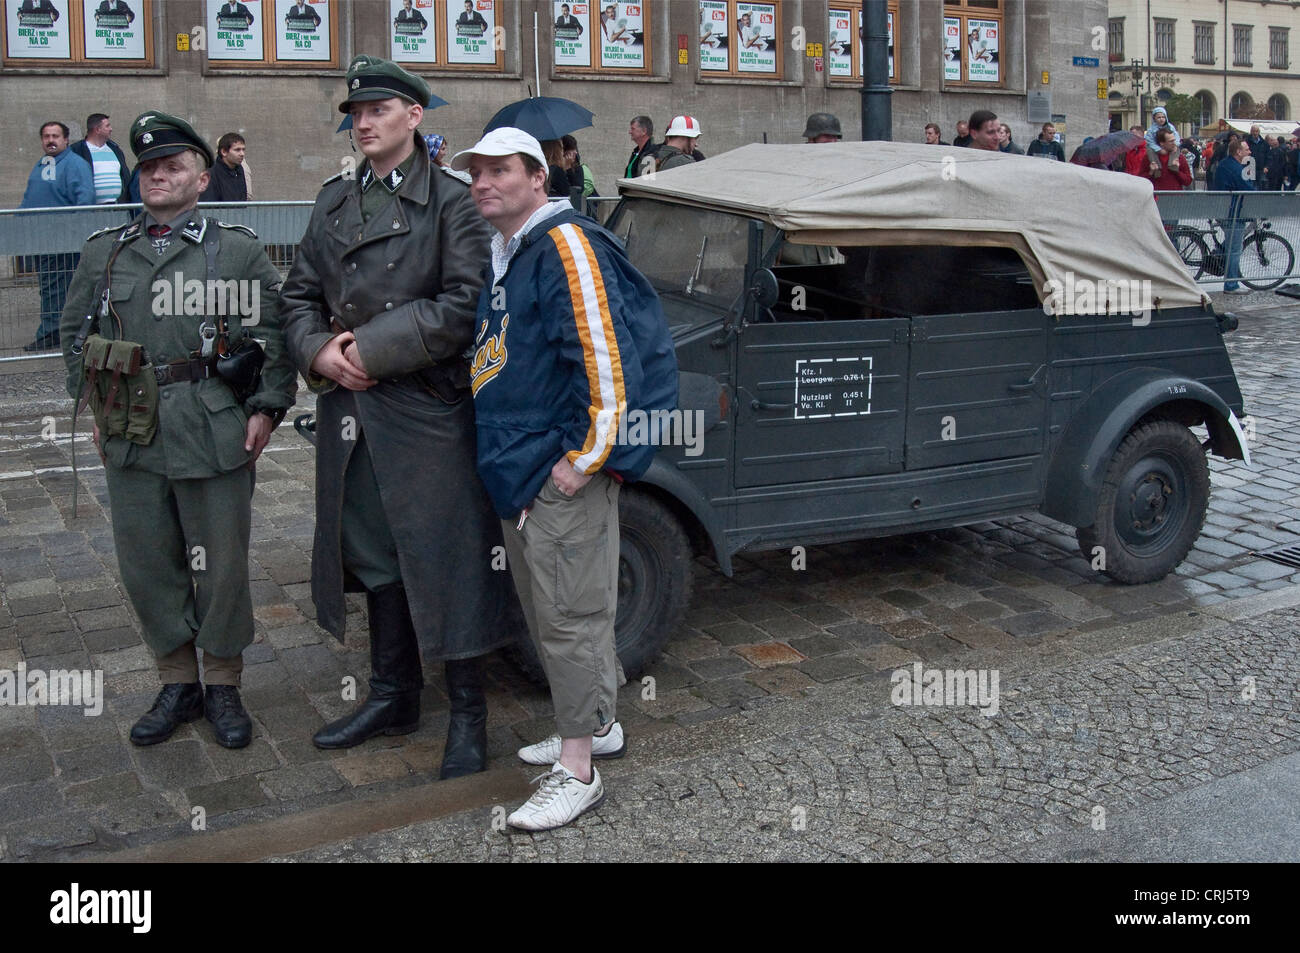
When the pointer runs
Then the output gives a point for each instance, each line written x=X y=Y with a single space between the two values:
x=131 y=231
x=391 y=182
x=194 y=229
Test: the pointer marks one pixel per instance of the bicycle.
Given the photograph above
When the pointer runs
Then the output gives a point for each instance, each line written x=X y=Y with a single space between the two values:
x=1266 y=257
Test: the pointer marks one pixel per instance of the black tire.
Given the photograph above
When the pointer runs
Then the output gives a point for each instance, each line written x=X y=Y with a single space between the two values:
x=1191 y=249
x=1152 y=504
x=654 y=586
x=1266 y=260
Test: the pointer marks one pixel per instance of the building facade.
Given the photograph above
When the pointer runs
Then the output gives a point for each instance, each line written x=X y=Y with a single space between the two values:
x=748 y=71
x=1233 y=56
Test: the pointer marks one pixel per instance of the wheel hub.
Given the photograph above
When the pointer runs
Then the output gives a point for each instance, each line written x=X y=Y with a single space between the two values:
x=1153 y=495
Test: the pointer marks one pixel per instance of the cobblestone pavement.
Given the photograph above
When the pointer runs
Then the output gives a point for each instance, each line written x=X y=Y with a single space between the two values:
x=72 y=785
x=1078 y=747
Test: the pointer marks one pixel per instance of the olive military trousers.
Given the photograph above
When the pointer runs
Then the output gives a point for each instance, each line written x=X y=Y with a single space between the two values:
x=565 y=567
x=182 y=549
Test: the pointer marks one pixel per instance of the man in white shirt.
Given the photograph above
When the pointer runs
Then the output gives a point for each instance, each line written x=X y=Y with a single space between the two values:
x=106 y=159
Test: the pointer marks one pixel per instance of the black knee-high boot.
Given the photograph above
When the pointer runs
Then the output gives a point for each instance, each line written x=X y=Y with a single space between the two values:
x=393 y=705
x=466 y=750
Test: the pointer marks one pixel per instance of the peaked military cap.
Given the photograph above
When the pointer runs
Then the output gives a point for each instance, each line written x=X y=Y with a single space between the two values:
x=372 y=77
x=155 y=134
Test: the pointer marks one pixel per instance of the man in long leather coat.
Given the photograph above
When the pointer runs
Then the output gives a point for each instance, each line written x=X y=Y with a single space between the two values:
x=379 y=309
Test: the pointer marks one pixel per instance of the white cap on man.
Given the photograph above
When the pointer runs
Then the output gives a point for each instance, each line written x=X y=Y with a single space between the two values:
x=503 y=141
x=687 y=126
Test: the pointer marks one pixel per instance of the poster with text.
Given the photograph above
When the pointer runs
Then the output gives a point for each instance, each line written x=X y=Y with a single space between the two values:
x=713 y=35
x=38 y=29
x=622 y=36
x=982 y=51
x=235 y=30
x=412 y=32
x=952 y=49
x=756 y=37
x=114 y=29
x=471 y=29
x=889 y=20
x=839 y=43
x=302 y=30
x=572 y=34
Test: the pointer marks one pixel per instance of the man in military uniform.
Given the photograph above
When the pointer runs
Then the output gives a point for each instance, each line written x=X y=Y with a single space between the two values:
x=379 y=310
x=180 y=492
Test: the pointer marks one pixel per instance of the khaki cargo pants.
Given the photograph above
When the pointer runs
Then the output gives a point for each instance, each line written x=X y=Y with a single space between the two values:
x=565 y=566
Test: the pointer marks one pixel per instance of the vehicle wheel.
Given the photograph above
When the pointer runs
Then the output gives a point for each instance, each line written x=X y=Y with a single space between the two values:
x=1191 y=249
x=1152 y=503
x=654 y=586
x=1266 y=261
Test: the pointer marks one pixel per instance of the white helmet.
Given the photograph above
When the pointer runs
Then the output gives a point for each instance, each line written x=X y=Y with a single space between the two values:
x=687 y=126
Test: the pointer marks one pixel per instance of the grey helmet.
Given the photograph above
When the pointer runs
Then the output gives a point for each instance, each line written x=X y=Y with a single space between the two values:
x=822 y=124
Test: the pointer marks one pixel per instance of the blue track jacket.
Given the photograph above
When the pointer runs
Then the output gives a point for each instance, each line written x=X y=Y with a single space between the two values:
x=569 y=341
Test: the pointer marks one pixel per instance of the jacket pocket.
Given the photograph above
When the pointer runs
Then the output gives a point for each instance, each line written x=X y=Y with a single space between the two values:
x=227 y=425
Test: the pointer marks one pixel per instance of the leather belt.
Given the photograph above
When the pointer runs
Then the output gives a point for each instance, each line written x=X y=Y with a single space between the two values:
x=179 y=371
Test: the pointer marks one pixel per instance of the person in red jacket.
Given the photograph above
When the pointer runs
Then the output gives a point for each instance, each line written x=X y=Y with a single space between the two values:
x=1172 y=173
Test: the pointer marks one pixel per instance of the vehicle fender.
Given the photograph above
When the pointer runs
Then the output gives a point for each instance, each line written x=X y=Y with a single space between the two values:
x=675 y=488
x=1083 y=454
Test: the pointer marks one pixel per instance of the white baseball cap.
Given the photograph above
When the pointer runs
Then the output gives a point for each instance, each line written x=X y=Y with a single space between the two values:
x=504 y=141
x=687 y=126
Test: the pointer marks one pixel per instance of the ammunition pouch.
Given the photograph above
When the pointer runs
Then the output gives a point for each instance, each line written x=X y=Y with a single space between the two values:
x=121 y=389
x=241 y=369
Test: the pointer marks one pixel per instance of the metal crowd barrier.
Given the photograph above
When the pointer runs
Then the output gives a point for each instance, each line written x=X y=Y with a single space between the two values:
x=39 y=250
x=1200 y=213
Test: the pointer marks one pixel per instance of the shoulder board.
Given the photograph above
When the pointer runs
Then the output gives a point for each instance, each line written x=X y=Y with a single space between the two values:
x=455 y=175
x=333 y=178
x=238 y=228
x=111 y=230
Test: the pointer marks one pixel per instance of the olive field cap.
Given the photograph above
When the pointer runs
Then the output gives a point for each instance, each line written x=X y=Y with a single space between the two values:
x=687 y=126
x=372 y=77
x=155 y=134
x=822 y=124
x=502 y=141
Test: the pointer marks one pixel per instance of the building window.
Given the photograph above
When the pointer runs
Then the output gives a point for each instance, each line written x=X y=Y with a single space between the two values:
x=1206 y=99
x=251 y=33
x=844 y=45
x=1278 y=55
x=1116 y=38
x=99 y=33
x=1164 y=41
x=1203 y=51
x=602 y=37
x=1240 y=45
x=1241 y=106
x=972 y=42
x=1278 y=105
x=741 y=39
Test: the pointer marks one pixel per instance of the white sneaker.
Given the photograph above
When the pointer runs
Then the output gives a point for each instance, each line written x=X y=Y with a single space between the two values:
x=608 y=745
x=559 y=799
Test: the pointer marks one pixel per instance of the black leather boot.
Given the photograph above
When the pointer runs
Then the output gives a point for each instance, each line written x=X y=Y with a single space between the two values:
x=177 y=703
x=466 y=750
x=393 y=706
x=230 y=722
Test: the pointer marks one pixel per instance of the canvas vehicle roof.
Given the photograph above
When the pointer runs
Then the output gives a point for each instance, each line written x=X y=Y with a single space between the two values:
x=1102 y=226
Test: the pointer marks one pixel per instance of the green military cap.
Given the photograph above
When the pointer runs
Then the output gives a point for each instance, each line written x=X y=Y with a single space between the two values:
x=372 y=77
x=155 y=134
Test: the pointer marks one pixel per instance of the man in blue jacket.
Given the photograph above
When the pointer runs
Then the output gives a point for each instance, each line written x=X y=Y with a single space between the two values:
x=59 y=178
x=1229 y=176
x=571 y=340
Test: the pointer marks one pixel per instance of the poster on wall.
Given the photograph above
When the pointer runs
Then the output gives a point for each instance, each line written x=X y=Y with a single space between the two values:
x=756 y=37
x=889 y=19
x=713 y=35
x=302 y=32
x=235 y=30
x=982 y=51
x=412 y=34
x=471 y=30
x=839 y=43
x=622 y=36
x=38 y=29
x=952 y=49
x=572 y=34
x=114 y=29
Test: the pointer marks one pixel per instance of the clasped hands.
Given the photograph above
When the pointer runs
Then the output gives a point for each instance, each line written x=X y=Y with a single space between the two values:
x=340 y=361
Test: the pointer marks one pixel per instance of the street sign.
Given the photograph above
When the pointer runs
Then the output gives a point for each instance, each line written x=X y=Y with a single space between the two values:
x=1086 y=61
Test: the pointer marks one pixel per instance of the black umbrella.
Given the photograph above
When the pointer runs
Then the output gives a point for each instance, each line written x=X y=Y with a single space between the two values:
x=542 y=117
x=434 y=103
x=1099 y=153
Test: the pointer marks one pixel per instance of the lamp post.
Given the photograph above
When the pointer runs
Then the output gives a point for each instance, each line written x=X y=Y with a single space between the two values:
x=1138 y=67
